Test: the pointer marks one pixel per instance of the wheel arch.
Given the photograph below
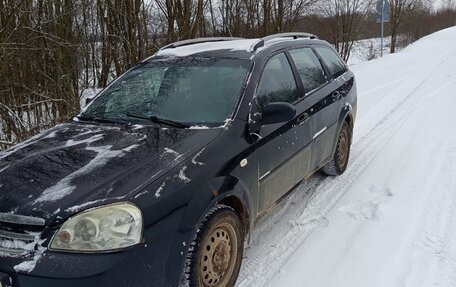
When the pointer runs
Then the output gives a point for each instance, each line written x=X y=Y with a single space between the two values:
x=346 y=115
x=241 y=210
x=349 y=118
x=227 y=190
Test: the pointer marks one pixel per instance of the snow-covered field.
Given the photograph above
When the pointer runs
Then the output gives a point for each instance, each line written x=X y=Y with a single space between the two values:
x=368 y=49
x=439 y=4
x=390 y=220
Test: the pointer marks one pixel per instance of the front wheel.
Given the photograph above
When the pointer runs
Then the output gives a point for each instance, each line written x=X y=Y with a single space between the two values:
x=216 y=256
x=338 y=163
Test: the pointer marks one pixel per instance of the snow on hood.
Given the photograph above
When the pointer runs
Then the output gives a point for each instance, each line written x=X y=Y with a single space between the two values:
x=75 y=164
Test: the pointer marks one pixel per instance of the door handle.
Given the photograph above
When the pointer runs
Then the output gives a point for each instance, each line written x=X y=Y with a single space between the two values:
x=303 y=117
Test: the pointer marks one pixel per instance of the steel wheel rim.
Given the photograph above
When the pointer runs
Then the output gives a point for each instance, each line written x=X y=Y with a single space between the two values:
x=218 y=256
x=342 y=148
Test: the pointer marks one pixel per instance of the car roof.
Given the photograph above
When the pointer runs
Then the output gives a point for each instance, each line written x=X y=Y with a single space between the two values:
x=228 y=46
x=234 y=47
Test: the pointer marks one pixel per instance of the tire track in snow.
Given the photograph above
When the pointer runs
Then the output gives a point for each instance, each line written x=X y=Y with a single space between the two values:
x=434 y=252
x=433 y=255
x=281 y=232
x=389 y=84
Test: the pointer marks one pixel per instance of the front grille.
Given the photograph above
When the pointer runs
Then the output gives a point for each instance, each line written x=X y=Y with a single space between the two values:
x=19 y=234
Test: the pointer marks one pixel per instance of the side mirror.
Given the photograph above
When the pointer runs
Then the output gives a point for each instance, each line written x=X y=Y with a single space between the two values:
x=274 y=113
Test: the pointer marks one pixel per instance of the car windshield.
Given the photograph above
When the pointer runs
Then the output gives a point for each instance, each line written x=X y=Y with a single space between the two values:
x=187 y=90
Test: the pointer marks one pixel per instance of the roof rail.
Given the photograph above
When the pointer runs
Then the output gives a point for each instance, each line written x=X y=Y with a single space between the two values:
x=294 y=35
x=198 y=41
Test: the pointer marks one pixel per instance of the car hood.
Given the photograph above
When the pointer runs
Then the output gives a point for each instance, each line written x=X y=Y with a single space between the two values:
x=76 y=164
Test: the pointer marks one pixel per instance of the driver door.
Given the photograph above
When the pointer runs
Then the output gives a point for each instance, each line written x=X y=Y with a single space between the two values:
x=284 y=148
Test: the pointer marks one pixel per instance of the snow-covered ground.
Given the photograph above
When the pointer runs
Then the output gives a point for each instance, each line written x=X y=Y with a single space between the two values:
x=390 y=220
x=439 y=4
x=368 y=49
x=87 y=94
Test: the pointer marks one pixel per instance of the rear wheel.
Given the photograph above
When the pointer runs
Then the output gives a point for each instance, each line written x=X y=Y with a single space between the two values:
x=217 y=254
x=338 y=163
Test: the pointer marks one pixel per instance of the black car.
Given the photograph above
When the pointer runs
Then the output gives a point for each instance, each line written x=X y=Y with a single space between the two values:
x=161 y=178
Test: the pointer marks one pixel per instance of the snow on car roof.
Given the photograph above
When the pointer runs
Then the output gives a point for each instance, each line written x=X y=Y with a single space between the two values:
x=234 y=45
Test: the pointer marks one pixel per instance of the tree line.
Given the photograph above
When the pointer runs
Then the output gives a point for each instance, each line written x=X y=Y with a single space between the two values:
x=52 y=50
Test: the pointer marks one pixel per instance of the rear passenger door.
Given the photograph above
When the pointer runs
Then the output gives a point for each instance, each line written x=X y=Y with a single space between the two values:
x=325 y=104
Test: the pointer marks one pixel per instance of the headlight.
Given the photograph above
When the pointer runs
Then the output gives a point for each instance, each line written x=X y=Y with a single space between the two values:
x=101 y=229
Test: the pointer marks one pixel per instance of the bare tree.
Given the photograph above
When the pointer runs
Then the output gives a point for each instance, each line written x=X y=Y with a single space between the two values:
x=39 y=65
x=52 y=50
x=400 y=11
x=345 y=18
x=185 y=18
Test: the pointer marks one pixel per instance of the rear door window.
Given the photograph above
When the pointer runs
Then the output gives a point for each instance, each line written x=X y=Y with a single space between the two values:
x=309 y=68
x=333 y=61
x=277 y=82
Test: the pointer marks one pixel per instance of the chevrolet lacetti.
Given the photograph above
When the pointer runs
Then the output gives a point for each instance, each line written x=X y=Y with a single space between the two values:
x=162 y=176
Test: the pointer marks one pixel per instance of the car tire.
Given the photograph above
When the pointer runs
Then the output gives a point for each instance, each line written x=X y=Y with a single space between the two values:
x=338 y=163
x=215 y=256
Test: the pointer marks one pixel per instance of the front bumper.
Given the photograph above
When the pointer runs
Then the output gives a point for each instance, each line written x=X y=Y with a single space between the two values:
x=146 y=264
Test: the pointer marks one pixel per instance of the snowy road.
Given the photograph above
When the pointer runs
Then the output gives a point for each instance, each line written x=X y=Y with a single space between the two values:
x=390 y=220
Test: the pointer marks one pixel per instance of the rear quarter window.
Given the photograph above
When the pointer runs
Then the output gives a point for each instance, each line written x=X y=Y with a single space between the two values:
x=335 y=64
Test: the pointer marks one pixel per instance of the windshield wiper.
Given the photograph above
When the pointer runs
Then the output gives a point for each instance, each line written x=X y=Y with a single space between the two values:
x=158 y=120
x=100 y=120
